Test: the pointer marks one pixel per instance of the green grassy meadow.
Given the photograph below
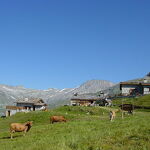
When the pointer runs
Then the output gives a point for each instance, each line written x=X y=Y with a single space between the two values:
x=140 y=101
x=87 y=128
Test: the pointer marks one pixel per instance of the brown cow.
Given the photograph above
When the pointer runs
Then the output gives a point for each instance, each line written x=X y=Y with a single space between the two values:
x=127 y=107
x=57 y=119
x=112 y=115
x=18 y=127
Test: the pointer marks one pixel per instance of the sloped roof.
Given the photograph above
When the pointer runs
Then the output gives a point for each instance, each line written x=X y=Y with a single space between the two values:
x=86 y=97
x=35 y=101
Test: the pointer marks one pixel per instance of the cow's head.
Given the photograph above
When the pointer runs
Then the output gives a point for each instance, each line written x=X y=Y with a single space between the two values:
x=29 y=123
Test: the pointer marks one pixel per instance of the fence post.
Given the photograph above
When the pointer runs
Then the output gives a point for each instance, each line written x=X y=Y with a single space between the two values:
x=122 y=107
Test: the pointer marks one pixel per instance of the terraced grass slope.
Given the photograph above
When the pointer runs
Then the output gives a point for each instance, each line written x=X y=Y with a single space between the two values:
x=139 y=101
x=88 y=128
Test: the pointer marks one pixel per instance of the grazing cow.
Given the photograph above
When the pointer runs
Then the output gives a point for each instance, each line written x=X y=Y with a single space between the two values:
x=57 y=119
x=127 y=107
x=112 y=115
x=18 y=127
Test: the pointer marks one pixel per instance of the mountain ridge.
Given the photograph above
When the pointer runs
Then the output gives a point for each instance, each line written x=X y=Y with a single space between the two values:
x=52 y=96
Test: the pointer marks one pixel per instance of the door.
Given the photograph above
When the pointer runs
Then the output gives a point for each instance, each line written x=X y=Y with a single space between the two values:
x=8 y=113
x=33 y=108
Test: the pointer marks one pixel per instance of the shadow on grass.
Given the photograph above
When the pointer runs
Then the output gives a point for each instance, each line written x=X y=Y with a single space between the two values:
x=8 y=137
x=135 y=137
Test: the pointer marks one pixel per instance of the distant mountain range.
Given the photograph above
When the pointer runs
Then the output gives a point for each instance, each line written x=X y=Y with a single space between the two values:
x=54 y=97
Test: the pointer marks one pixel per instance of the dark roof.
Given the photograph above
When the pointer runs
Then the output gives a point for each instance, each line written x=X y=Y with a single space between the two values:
x=133 y=83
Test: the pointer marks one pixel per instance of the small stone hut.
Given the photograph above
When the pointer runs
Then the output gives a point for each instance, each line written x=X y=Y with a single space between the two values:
x=26 y=105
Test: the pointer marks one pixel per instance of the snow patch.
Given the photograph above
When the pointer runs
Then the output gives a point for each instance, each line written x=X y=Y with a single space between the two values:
x=8 y=89
x=12 y=97
x=62 y=90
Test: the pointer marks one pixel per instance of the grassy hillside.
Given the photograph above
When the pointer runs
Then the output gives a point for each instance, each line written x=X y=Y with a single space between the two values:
x=88 y=128
x=140 y=101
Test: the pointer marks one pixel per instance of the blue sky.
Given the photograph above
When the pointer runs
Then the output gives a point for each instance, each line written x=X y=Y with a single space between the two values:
x=63 y=43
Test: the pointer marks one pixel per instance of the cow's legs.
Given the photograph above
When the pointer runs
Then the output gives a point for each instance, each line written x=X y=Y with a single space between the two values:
x=111 y=116
x=11 y=134
x=24 y=132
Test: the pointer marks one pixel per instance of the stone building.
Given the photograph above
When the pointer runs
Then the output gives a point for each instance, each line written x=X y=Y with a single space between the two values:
x=26 y=105
x=135 y=87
